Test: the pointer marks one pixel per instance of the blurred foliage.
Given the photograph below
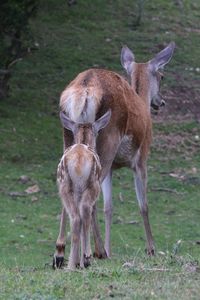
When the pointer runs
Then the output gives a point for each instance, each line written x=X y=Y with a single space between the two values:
x=15 y=35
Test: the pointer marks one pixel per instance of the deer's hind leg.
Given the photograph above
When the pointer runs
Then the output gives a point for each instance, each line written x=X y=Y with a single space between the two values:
x=99 y=251
x=107 y=197
x=140 y=171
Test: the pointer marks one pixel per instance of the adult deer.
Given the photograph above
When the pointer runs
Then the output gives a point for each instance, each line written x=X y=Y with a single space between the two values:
x=127 y=138
x=78 y=178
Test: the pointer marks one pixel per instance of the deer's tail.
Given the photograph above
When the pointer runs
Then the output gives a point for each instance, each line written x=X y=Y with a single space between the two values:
x=80 y=104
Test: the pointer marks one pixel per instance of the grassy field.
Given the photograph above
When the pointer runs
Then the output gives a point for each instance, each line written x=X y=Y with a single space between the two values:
x=90 y=34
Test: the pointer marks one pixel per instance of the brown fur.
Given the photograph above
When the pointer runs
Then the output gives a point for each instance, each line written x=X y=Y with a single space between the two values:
x=78 y=177
x=130 y=115
x=126 y=139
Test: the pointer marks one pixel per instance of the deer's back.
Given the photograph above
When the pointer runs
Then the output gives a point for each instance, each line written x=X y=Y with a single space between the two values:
x=95 y=91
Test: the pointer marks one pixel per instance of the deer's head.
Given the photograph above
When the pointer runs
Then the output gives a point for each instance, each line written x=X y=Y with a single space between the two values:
x=146 y=77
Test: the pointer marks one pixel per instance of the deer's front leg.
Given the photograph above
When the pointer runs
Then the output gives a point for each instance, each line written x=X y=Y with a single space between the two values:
x=140 y=186
x=58 y=259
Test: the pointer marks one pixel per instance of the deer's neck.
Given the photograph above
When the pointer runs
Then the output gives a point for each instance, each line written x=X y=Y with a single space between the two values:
x=140 y=82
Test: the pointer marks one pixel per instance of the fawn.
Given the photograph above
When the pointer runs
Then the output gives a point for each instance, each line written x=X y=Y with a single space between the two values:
x=78 y=178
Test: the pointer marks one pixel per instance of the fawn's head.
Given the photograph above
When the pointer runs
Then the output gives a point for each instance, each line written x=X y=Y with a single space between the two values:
x=85 y=133
x=146 y=77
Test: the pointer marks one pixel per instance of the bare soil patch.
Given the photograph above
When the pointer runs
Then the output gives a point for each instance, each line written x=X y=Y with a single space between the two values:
x=182 y=102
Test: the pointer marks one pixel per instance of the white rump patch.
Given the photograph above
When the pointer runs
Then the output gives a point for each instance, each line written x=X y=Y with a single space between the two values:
x=79 y=104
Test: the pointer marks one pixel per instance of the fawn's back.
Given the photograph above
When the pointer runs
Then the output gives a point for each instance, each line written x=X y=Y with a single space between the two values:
x=78 y=167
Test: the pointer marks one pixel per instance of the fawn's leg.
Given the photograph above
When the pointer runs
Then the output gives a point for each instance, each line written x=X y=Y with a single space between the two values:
x=75 y=242
x=72 y=209
x=58 y=259
x=86 y=216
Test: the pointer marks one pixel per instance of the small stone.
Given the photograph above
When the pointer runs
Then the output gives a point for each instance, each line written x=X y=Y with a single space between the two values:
x=24 y=179
x=194 y=170
x=34 y=199
x=161 y=253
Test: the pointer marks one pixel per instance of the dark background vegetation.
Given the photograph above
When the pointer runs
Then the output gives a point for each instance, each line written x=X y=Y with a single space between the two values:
x=44 y=45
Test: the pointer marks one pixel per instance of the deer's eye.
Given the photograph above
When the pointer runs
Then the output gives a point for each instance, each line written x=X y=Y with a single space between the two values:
x=161 y=76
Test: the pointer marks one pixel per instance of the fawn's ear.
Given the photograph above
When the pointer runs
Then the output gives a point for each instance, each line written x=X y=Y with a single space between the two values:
x=127 y=59
x=66 y=122
x=162 y=58
x=102 y=122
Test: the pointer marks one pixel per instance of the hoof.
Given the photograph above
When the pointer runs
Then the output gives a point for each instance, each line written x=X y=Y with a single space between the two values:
x=87 y=261
x=73 y=267
x=99 y=255
x=150 y=252
x=58 y=262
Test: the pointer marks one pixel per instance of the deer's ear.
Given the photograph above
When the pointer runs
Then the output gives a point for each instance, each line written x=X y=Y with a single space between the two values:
x=102 y=122
x=162 y=58
x=66 y=122
x=127 y=59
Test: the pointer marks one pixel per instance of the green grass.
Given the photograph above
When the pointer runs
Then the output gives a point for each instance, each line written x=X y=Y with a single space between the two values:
x=141 y=280
x=70 y=40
